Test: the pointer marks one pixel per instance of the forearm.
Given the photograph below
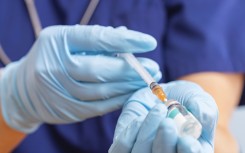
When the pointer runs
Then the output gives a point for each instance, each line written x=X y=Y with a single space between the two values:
x=9 y=138
x=226 y=90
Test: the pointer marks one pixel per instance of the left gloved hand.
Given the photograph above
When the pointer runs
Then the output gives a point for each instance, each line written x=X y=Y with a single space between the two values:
x=143 y=126
x=71 y=74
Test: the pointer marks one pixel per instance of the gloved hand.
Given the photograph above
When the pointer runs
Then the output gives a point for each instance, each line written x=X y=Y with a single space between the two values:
x=71 y=74
x=143 y=126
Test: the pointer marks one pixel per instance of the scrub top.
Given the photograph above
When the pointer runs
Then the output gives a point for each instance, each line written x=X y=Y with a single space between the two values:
x=193 y=36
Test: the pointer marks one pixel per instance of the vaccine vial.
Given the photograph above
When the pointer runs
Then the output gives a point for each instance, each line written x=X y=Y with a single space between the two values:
x=186 y=123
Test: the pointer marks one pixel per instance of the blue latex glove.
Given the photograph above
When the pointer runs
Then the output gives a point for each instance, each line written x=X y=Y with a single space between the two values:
x=71 y=74
x=143 y=126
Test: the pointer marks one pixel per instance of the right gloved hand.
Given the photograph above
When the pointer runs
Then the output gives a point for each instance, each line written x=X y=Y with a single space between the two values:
x=70 y=74
x=143 y=126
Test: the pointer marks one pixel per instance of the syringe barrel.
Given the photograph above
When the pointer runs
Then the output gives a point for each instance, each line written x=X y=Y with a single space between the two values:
x=131 y=59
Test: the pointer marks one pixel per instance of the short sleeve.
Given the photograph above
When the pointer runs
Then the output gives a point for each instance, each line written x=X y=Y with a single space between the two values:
x=204 y=36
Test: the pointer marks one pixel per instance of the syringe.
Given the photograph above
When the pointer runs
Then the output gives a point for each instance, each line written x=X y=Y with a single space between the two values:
x=186 y=123
x=154 y=86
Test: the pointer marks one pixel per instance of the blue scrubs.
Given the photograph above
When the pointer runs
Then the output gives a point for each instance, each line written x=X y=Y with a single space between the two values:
x=193 y=36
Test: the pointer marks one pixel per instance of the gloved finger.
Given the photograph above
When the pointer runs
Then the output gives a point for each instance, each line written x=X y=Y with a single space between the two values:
x=166 y=137
x=206 y=145
x=198 y=102
x=130 y=111
x=121 y=28
x=148 y=129
x=204 y=108
x=124 y=141
x=81 y=38
x=86 y=91
x=100 y=38
x=138 y=105
x=75 y=110
x=188 y=144
x=107 y=69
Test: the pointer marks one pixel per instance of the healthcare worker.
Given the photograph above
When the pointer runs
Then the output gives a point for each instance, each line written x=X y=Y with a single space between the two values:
x=191 y=36
x=69 y=76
